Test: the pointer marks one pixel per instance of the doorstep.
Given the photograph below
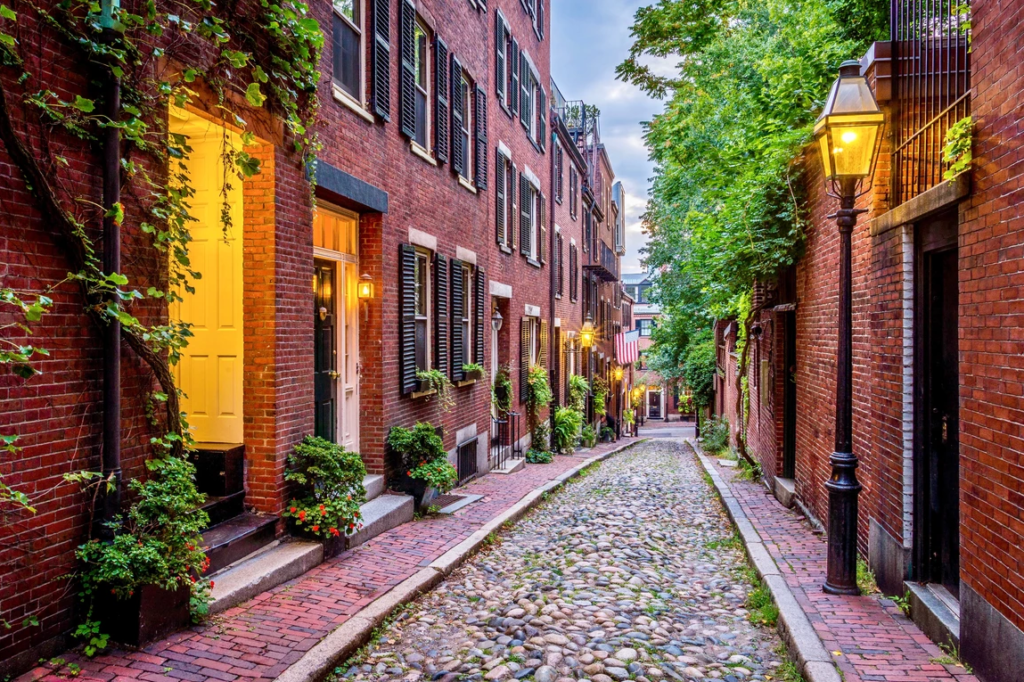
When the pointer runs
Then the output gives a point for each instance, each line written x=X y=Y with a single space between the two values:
x=511 y=466
x=936 y=612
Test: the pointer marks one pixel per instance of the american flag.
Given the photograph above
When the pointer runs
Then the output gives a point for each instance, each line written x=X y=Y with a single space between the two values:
x=627 y=347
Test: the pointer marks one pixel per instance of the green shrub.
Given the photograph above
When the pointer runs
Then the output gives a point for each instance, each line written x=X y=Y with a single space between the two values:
x=588 y=436
x=539 y=391
x=330 y=480
x=501 y=391
x=421 y=455
x=607 y=434
x=538 y=457
x=540 y=436
x=715 y=434
x=578 y=391
x=566 y=429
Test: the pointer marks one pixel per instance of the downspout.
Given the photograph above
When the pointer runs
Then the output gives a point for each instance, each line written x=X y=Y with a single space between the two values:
x=111 y=264
x=552 y=275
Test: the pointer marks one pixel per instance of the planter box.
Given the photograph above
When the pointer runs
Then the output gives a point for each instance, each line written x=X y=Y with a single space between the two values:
x=475 y=375
x=151 y=614
x=421 y=494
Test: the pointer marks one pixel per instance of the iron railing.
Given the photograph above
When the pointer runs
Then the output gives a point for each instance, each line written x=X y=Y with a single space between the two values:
x=507 y=446
x=603 y=261
x=932 y=81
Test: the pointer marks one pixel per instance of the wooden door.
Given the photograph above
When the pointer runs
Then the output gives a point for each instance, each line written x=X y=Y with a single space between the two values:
x=654 y=405
x=325 y=352
x=789 y=398
x=211 y=367
x=349 y=368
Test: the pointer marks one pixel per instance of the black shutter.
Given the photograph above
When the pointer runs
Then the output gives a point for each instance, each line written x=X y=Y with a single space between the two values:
x=542 y=118
x=524 y=215
x=440 y=101
x=458 y=146
x=514 y=71
x=458 y=357
x=480 y=158
x=559 y=195
x=524 y=359
x=525 y=76
x=499 y=199
x=511 y=199
x=482 y=4
x=559 y=256
x=540 y=18
x=542 y=231
x=499 y=55
x=542 y=356
x=407 y=327
x=381 y=86
x=478 y=308
x=408 y=98
x=441 y=313
x=556 y=366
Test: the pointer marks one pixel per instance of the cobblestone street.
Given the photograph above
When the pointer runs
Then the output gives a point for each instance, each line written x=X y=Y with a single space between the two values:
x=625 y=574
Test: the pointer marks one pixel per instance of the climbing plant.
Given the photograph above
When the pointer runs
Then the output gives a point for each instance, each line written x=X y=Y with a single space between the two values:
x=232 y=59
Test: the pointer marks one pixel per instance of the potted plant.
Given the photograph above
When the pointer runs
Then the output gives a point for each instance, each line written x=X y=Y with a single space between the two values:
x=501 y=391
x=434 y=380
x=419 y=463
x=473 y=371
x=565 y=429
x=330 y=487
x=141 y=584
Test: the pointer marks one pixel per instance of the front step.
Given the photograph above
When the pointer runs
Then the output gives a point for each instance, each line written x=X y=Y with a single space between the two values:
x=374 y=485
x=236 y=538
x=382 y=514
x=282 y=561
x=220 y=508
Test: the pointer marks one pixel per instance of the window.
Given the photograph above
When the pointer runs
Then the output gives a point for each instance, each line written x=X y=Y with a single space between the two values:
x=335 y=229
x=422 y=309
x=421 y=55
x=532 y=230
x=503 y=60
x=532 y=100
x=467 y=125
x=574 y=264
x=574 y=180
x=559 y=266
x=537 y=10
x=348 y=47
x=505 y=196
x=645 y=327
x=559 y=157
x=467 y=313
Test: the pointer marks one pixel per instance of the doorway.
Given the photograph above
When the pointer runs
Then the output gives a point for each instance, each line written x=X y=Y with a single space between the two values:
x=336 y=326
x=654 y=405
x=789 y=396
x=937 y=456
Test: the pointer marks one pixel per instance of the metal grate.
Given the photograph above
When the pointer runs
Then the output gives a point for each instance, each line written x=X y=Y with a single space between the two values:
x=932 y=80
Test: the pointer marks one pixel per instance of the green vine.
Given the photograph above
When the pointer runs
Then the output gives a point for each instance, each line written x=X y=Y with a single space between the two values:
x=438 y=381
x=233 y=59
x=957 y=149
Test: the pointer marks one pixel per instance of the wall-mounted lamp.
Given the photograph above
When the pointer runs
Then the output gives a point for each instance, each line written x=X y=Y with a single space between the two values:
x=756 y=330
x=496 y=320
x=618 y=373
x=364 y=292
x=587 y=333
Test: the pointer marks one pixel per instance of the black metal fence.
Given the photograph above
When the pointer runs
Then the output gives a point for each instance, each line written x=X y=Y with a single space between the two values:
x=932 y=80
x=506 y=446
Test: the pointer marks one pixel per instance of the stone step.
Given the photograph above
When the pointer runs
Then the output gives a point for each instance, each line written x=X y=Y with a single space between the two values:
x=237 y=537
x=511 y=466
x=262 y=570
x=381 y=514
x=374 y=484
x=222 y=507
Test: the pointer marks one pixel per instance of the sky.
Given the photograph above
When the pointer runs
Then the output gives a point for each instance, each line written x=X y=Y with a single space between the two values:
x=589 y=39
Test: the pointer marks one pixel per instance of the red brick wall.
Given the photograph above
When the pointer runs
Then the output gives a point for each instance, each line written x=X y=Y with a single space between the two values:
x=991 y=316
x=764 y=421
x=570 y=313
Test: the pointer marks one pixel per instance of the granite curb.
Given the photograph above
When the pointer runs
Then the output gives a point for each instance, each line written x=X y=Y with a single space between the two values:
x=801 y=638
x=344 y=640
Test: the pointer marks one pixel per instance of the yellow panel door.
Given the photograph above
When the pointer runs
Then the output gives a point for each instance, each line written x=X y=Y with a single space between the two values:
x=210 y=370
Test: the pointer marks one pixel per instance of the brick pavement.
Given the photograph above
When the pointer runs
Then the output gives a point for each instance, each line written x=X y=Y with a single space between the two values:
x=261 y=638
x=869 y=637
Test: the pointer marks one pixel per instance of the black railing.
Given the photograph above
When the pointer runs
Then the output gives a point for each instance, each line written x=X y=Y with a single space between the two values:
x=603 y=261
x=506 y=447
x=932 y=80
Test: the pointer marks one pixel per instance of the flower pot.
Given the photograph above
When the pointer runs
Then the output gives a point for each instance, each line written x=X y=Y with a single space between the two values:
x=150 y=614
x=334 y=545
x=475 y=375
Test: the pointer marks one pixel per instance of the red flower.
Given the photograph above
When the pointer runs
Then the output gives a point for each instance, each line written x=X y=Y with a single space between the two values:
x=316 y=529
x=113 y=591
x=321 y=508
x=409 y=472
x=302 y=515
x=351 y=525
x=193 y=578
x=334 y=532
x=211 y=584
x=291 y=509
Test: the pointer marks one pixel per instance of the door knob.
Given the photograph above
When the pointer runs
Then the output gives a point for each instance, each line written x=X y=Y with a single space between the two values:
x=333 y=374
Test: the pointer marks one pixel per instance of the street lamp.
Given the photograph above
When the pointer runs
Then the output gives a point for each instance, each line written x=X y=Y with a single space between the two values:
x=496 y=320
x=587 y=333
x=846 y=132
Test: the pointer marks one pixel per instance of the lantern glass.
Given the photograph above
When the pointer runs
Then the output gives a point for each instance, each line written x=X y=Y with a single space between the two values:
x=618 y=374
x=847 y=130
x=364 y=290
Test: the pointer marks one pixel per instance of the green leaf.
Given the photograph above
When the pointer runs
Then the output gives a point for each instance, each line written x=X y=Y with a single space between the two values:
x=117 y=279
x=83 y=104
x=116 y=212
x=8 y=13
x=254 y=96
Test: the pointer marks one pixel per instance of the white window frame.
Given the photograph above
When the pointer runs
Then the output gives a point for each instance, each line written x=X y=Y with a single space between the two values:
x=534 y=330
x=466 y=315
x=424 y=259
x=361 y=55
x=427 y=74
x=468 y=109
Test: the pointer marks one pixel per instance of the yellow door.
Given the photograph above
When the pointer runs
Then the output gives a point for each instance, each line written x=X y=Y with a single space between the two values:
x=210 y=370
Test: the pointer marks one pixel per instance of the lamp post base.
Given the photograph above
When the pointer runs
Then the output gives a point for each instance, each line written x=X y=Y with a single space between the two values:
x=843 y=490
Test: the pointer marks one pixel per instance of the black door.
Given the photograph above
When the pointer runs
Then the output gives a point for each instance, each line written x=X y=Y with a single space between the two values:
x=938 y=465
x=789 y=398
x=654 y=405
x=325 y=392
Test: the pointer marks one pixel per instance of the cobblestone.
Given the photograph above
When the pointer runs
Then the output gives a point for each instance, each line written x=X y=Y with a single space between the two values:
x=621 y=576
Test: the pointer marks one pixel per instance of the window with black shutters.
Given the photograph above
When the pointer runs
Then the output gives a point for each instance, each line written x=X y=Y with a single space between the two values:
x=480 y=133
x=574 y=263
x=560 y=266
x=421 y=88
x=347 y=47
x=381 y=86
x=559 y=158
x=467 y=126
x=504 y=199
x=468 y=294
x=422 y=309
x=503 y=60
x=573 y=191
x=479 y=298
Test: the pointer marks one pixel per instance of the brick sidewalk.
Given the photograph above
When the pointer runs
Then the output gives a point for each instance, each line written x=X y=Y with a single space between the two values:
x=260 y=639
x=869 y=637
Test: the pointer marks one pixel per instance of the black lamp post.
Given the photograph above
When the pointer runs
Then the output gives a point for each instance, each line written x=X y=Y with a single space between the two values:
x=846 y=131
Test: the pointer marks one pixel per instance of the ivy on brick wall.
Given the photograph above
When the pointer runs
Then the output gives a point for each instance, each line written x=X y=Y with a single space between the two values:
x=243 y=55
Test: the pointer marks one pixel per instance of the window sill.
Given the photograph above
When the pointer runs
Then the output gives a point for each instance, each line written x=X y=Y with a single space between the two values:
x=466 y=382
x=534 y=263
x=422 y=153
x=423 y=394
x=467 y=185
x=506 y=109
x=536 y=145
x=505 y=250
x=347 y=100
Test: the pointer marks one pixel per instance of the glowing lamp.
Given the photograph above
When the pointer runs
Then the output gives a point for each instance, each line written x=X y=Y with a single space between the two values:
x=618 y=373
x=847 y=129
x=365 y=289
x=587 y=333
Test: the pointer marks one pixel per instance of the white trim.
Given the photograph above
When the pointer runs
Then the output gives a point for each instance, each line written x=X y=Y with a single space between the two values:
x=465 y=255
x=466 y=184
x=331 y=255
x=422 y=153
x=908 y=385
x=534 y=180
x=504 y=150
x=346 y=99
x=558 y=322
x=421 y=238
x=500 y=290
x=558 y=229
x=532 y=310
x=572 y=241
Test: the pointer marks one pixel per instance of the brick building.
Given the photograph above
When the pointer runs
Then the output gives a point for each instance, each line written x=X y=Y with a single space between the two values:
x=936 y=316
x=457 y=220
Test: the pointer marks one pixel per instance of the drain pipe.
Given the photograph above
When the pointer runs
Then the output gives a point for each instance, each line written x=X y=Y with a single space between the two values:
x=552 y=254
x=111 y=264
